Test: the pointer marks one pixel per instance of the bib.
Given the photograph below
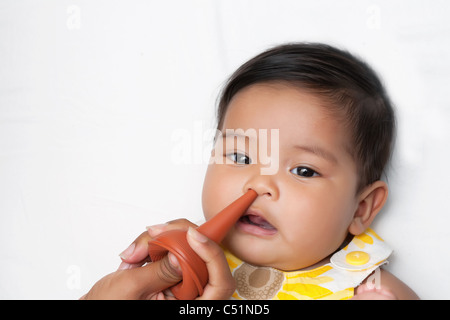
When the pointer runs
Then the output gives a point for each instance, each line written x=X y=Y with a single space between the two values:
x=336 y=280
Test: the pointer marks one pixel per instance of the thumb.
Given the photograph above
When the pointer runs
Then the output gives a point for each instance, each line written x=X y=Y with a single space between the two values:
x=156 y=276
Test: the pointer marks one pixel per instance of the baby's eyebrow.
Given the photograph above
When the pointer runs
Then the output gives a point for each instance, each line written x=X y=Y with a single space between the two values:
x=318 y=152
x=248 y=134
x=231 y=135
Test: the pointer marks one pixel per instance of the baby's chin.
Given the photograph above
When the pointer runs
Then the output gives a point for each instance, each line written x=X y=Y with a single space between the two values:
x=260 y=258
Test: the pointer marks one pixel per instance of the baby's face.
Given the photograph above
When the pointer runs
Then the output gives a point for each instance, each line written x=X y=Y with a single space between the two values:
x=303 y=211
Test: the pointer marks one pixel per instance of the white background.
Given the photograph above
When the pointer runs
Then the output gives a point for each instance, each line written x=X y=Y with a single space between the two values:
x=94 y=95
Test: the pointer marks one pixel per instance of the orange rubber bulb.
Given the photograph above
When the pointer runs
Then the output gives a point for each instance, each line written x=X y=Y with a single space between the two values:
x=195 y=273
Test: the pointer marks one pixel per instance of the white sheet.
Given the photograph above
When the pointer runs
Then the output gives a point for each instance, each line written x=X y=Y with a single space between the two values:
x=93 y=95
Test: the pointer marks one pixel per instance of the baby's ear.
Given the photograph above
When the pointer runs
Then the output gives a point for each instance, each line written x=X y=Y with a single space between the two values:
x=371 y=201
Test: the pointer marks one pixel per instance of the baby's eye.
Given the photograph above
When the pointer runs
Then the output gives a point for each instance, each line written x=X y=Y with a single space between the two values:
x=304 y=172
x=239 y=158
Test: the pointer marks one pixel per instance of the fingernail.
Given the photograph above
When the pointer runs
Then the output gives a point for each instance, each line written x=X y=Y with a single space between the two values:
x=128 y=251
x=174 y=262
x=197 y=236
x=124 y=266
x=156 y=229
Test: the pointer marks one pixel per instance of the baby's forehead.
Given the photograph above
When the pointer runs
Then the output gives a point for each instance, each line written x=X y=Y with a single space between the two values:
x=297 y=114
x=288 y=92
x=278 y=105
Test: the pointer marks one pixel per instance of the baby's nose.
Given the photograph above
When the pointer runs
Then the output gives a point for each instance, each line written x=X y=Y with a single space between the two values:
x=264 y=186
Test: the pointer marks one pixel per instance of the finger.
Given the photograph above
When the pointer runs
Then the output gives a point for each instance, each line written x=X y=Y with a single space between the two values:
x=153 y=278
x=125 y=265
x=137 y=252
x=366 y=291
x=181 y=224
x=374 y=295
x=221 y=284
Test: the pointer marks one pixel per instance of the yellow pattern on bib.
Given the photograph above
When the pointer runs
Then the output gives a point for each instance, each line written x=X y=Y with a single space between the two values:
x=335 y=280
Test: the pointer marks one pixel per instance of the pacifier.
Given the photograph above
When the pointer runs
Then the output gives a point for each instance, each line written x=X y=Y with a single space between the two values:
x=195 y=273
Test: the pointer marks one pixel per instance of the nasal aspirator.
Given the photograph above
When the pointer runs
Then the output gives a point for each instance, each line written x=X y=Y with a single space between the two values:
x=195 y=273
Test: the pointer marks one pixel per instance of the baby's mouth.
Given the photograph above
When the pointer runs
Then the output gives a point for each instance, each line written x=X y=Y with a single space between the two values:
x=256 y=224
x=257 y=221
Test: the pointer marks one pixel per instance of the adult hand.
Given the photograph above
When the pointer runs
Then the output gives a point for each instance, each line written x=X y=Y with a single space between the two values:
x=143 y=283
x=166 y=272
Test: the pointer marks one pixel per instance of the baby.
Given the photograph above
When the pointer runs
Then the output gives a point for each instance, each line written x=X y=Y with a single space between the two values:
x=329 y=126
